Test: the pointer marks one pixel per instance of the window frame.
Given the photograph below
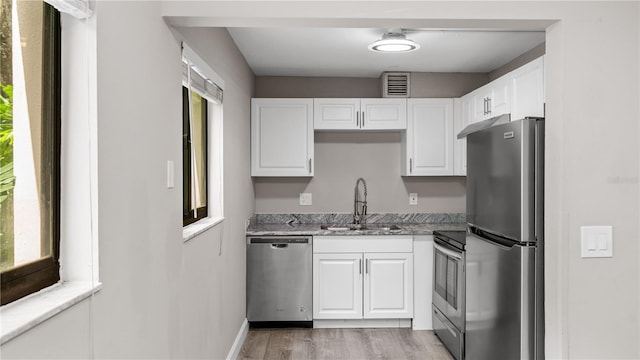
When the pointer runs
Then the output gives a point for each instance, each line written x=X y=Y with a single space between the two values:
x=202 y=212
x=34 y=276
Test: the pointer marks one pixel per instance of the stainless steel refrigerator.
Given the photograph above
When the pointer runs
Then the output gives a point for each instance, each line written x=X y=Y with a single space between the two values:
x=505 y=242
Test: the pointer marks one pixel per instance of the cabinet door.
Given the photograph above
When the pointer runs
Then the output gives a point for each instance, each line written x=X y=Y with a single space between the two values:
x=282 y=137
x=336 y=114
x=481 y=98
x=429 y=137
x=388 y=289
x=337 y=286
x=492 y=99
x=462 y=114
x=383 y=114
x=527 y=88
x=500 y=102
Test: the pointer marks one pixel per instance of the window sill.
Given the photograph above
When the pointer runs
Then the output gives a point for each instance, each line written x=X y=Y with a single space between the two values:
x=191 y=231
x=26 y=313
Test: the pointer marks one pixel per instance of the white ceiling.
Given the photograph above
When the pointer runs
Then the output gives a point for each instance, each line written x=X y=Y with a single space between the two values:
x=343 y=52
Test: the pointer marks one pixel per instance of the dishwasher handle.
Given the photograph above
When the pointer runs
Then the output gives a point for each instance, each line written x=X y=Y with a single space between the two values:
x=279 y=240
x=279 y=246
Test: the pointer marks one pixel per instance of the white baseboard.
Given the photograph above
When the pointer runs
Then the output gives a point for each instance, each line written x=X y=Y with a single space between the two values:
x=237 y=344
x=366 y=323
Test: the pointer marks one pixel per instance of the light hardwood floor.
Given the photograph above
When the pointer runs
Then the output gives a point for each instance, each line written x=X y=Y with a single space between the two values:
x=352 y=344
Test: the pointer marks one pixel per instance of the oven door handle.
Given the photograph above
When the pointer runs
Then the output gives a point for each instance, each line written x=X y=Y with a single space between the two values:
x=444 y=250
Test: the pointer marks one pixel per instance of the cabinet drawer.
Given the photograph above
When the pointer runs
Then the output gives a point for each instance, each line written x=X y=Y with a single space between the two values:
x=361 y=244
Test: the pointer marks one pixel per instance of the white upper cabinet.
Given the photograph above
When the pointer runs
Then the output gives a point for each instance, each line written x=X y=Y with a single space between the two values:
x=519 y=93
x=428 y=143
x=281 y=137
x=360 y=114
x=336 y=114
x=492 y=99
x=527 y=89
x=462 y=115
x=383 y=114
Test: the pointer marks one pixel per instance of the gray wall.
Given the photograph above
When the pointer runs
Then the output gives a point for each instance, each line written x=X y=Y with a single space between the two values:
x=445 y=85
x=423 y=85
x=342 y=157
x=308 y=87
x=528 y=56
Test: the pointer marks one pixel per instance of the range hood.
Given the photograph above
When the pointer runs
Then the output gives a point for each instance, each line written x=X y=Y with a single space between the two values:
x=481 y=125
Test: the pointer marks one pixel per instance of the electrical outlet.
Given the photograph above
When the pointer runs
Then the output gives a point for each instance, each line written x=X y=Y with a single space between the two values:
x=413 y=199
x=305 y=199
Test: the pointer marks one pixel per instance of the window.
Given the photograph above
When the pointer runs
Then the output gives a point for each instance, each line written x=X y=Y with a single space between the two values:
x=195 y=142
x=201 y=144
x=29 y=147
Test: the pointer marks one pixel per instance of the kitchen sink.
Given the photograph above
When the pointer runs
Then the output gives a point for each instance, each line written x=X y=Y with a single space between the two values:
x=359 y=227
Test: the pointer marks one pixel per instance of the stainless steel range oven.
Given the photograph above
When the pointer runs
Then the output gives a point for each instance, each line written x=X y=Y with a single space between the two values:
x=449 y=290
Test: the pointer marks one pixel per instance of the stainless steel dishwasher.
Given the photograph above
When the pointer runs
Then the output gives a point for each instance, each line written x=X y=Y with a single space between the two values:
x=279 y=282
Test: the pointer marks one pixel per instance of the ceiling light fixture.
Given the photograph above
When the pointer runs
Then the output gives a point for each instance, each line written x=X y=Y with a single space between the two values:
x=394 y=42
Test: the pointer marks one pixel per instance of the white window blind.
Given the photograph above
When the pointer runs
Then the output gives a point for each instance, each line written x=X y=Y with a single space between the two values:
x=77 y=8
x=200 y=77
x=200 y=83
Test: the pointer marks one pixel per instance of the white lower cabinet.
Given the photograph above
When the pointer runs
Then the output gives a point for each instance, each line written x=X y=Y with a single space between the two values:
x=337 y=286
x=388 y=286
x=363 y=277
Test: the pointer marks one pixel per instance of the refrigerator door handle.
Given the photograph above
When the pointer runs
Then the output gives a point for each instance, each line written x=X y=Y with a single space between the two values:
x=498 y=240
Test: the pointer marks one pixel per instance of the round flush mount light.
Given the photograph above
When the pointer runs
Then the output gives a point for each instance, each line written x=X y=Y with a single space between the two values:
x=394 y=42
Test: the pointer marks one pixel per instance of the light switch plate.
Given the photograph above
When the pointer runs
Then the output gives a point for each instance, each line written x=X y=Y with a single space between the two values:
x=413 y=199
x=596 y=241
x=170 y=174
x=305 y=199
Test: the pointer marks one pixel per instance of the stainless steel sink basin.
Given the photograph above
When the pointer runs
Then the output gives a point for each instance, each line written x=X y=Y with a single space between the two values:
x=359 y=227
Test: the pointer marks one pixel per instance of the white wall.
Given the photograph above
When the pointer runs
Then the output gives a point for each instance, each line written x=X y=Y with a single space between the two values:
x=161 y=297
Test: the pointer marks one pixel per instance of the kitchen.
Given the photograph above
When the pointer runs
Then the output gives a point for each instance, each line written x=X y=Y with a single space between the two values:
x=218 y=309
x=378 y=160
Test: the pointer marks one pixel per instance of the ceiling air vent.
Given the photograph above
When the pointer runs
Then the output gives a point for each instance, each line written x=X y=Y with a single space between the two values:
x=395 y=84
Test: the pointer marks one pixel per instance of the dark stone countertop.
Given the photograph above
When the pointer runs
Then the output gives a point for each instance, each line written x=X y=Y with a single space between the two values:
x=316 y=230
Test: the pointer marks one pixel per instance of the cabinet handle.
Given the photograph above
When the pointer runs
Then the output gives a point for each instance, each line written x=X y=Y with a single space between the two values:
x=310 y=166
x=366 y=269
x=484 y=111
x=360 y=266
x=357 y=118
x=363 y=119
x=410 y=166
x=488 y=105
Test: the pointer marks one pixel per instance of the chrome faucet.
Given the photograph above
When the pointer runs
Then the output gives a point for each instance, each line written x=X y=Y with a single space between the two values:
x=359 y=216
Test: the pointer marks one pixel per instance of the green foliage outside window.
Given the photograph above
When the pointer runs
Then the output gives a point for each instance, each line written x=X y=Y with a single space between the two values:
x=7 y=179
